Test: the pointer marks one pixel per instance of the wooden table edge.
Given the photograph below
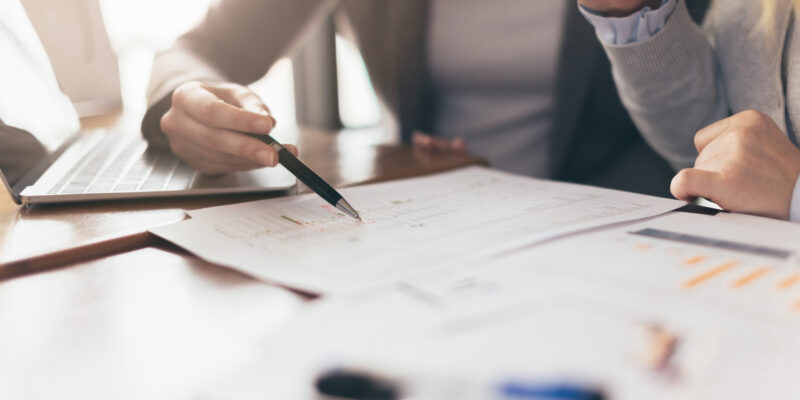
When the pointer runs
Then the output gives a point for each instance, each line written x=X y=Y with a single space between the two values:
x=63 y=258
x=83 y=252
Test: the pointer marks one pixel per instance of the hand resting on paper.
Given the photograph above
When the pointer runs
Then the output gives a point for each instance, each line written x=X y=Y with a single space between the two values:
x=746 y=164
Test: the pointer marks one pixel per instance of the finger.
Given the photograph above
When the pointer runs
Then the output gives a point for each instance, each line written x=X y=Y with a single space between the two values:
x=242 y=97
x=706 y=135
x=429 y=143
x=447 y=146
x=213 y=168
x=459 y=145
x=225 y=141
x=188 y=150
x=691 y=183
x=292 y=149
x=713 y=155
x=423 y=141
x=419 y=139
x=214 y=165
x=440 y=145
x=208 y=109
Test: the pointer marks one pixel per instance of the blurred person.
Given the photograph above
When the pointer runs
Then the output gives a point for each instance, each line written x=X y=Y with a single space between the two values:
x=523 y=84
x=733 y=81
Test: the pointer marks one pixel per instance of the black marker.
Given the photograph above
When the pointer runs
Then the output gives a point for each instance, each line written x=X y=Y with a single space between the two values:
x=353 y=385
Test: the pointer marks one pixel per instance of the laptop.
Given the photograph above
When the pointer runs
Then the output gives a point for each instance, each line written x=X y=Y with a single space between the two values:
x=103 y=165
x=44 y=158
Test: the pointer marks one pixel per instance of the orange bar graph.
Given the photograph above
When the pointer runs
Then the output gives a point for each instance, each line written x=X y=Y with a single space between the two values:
x=694 y=260
x=743 y=281
x=788 y=282
x=709 y=274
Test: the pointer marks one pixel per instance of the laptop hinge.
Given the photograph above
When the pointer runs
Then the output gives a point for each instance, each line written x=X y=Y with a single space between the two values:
x=14 y=195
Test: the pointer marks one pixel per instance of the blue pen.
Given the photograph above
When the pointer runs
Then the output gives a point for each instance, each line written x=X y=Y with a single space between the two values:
x=552 y=391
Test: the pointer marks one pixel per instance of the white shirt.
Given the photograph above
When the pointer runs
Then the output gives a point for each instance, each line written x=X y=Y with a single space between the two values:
x=492 y=68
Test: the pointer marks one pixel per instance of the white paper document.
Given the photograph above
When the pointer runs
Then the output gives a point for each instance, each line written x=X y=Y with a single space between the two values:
x=738 y=265
x=682 y=306
x=408 y=226
x=621 y=343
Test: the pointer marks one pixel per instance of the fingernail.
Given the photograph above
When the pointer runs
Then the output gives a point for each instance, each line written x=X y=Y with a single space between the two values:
x=261 y=125
x=264 y=157
x=271 y=119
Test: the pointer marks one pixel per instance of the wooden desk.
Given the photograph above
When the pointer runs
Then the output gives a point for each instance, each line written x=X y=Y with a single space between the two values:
x=121 y=314
x=145 y=324
x=45 y=237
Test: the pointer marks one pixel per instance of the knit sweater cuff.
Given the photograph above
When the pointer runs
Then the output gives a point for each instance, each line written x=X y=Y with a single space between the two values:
x=669 y=53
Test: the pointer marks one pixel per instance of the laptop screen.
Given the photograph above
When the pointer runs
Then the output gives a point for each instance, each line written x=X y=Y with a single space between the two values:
x=35 y=116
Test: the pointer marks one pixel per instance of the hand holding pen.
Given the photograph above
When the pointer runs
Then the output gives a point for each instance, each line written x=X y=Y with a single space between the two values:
x=225 y=127
x=203 y=122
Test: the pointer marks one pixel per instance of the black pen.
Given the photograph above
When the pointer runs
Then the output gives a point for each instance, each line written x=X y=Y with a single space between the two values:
x=307 y=176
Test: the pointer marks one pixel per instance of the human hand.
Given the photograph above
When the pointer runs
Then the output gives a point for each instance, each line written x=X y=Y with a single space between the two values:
x=746 y=164
x=428 y=143
x=619 y=8
x=201 y=122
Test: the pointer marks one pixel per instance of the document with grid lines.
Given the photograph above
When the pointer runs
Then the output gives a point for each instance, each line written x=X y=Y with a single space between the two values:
x=409 y=226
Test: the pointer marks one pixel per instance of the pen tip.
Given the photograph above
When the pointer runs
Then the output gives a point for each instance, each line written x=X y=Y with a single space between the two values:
x=346 y=208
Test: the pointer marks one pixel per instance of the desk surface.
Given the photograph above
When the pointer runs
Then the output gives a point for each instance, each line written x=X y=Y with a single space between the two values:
x=145 y=324
x=120 y=314
x=41 y=237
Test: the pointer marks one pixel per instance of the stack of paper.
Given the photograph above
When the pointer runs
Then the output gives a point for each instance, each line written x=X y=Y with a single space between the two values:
x=445 y=281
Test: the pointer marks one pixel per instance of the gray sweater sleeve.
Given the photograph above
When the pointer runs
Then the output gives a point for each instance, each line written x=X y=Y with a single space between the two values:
x=671 y=86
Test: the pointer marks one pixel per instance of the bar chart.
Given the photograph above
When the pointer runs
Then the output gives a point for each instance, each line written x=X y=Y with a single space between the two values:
x=743 y=273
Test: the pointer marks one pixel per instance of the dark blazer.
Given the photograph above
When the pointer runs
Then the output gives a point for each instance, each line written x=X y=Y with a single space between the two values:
x=595 y=141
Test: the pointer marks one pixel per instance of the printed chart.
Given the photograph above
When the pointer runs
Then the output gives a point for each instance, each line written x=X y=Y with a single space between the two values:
x=407 y=226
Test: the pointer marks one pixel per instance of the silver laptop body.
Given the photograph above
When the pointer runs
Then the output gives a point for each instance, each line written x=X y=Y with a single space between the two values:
x=105 y=165
x=44 y=160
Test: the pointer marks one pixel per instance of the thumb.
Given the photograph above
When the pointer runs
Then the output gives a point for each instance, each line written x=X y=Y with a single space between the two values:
x=691 y=183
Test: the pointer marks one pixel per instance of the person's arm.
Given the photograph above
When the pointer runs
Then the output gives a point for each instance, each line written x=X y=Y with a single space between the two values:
x=745 y=163
x=669 y=82
x=197 y=96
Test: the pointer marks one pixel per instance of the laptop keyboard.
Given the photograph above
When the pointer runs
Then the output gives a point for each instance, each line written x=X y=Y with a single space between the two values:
x=107 y=168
